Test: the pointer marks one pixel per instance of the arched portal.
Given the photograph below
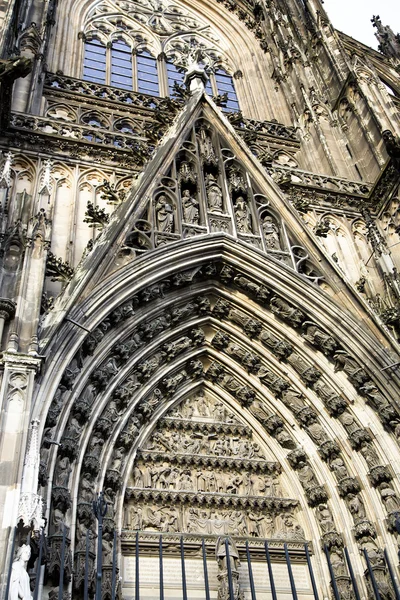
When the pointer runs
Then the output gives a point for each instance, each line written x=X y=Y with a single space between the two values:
x=210 y=327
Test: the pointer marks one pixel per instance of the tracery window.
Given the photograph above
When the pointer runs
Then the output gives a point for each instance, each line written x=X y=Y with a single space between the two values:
x=128 y=71
x=142 y=49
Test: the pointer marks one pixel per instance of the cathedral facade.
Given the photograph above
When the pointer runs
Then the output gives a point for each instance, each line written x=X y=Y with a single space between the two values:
x=200 y=302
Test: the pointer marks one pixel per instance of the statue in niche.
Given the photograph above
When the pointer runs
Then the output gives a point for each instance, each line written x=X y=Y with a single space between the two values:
x=19 y=582
x=325 y=518
x=338 y=467
x=356 y=507
x=389 y=497
x=62 y=472
x=118 y=459
x=214 y=195
x=207 y=151
x=271 y=234
x=234 y=563
x=190 y=208
x=236 y=181
x=243 y=216
x=371 y=456
x=164 y=215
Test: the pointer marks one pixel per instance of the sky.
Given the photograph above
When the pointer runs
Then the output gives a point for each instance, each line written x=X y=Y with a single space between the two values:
x=354 y=17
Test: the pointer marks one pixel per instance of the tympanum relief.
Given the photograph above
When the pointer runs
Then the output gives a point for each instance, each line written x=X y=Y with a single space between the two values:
x=201 y=472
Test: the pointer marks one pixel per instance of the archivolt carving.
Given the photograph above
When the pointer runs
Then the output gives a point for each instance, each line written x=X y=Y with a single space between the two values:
x=203 y=425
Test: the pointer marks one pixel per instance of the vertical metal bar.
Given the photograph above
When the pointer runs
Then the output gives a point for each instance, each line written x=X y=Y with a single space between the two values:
x=38 y=567
x=11 y=564
x=137 y=567
x=311 y=571
x=161 y=572
x=206 y=584
x=114 y=567
x=352 y=576
x=270 y=573
x=229 y=570
x=372 y=576
x=86 y=578
x=184 y=588
x=100 y=510
x=289 y=568
x=392 y=575
x=251 y=578
x=62 y=564
x=332 y=574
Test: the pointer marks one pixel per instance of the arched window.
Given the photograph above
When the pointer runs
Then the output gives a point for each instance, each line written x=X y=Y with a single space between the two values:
x=121 y=65
x=125 y=70
x=224 y=84
x=94 y=64
x=173 y=75
x=147 y=73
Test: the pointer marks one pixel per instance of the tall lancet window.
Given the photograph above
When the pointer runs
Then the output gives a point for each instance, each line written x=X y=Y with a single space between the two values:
x=224 y=83
x=173 y=75
x=121 y=65
x=94 y=63
x=147 y=73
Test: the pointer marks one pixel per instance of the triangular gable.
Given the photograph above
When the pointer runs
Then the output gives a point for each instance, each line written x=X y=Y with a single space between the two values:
x=203 y=179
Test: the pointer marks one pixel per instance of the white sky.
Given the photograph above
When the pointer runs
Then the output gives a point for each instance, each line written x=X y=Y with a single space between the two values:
x=354 y=17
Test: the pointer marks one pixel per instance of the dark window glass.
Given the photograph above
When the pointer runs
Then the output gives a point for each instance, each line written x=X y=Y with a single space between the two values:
x=225 y=86
x=173 y=75
x=94 y=62
x=147 y=74
x=121 y=65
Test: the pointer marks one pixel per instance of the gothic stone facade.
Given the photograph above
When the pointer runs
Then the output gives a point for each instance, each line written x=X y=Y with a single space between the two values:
x=200 y=292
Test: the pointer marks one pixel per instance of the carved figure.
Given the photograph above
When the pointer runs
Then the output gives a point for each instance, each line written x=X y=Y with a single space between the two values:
x=136 y=519
x=319 y=338
x=389 y=497
x=356 y=506
x=255 y=528
x=271 y=234
x=344 y=362
x=164 y=215
x=338 y=467
x=190 y=208
x=371 y=456
x=284 y=310
x=20 y=582
x=306 y=475
x=63 y=471
x=243 y=216
x=214 y=195
x=325 y=518
x=234 y=562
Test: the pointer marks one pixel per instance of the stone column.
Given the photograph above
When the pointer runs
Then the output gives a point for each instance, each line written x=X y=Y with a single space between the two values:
x=15 y=401
x=7 y=311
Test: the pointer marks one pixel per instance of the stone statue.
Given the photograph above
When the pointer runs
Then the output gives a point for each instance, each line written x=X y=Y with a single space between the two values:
x=20 y=583
x=214 y=195
x=234 y=563
x=243 y=216
x=190 y=208
x=164 y=215
x=271 y=234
